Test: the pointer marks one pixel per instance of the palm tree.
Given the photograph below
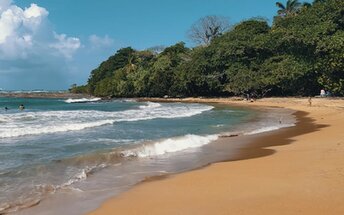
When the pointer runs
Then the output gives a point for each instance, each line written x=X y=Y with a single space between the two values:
x=291 y=8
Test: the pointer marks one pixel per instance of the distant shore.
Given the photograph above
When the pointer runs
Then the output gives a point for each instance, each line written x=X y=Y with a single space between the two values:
x=58 y=95
x=297 y=170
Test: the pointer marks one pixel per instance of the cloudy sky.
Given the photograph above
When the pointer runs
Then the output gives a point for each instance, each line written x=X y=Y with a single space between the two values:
x=51 y=44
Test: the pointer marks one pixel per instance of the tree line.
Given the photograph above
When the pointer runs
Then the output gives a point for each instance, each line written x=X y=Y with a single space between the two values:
x=301 y=52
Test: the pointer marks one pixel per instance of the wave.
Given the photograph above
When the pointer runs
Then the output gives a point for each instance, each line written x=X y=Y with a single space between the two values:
x=102 y=160
x=105 y=160
x=82 y=175
x=127 y=100
x=269 y=128
x=39 y=191
x=169 y=145
x=47 y=122
x=188 y=141
x=141 y=150
x=83 y=100
x=16 y=132
x=150 y=105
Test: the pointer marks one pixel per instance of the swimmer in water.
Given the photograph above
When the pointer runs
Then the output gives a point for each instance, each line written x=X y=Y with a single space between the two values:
x=21 y=107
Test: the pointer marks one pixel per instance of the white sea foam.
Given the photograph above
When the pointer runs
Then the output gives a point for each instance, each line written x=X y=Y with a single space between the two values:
x=45 y=122
x=186 y=142
x=150 y=105
x=269 y=128
x=169 y=146
x=128 y=100
x=22 y=130
x=78 y=177
x=83 y=100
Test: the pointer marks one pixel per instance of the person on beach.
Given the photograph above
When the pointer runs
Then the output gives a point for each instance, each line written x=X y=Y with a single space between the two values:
x=310 y=101
x=21 y=107
x=247 y=97
x=322 y=93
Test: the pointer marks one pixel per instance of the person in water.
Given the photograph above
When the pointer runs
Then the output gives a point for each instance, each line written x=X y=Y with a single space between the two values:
x=6 y=108
x=21 y=107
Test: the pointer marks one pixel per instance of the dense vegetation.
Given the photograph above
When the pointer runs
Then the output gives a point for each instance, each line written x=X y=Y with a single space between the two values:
x=299 y=54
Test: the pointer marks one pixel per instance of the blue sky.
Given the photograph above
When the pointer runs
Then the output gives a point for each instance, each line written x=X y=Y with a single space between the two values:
x=144 y=23
x=57 y=43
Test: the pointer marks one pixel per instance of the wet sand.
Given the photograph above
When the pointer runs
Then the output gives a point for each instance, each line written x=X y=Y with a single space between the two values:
x=298 y=170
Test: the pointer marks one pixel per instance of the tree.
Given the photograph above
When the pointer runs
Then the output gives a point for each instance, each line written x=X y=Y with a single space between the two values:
x=207 y=28
x=107 y=68
x=74 y=88
x=297 y=56
x=291 y=8
x=330 y=52
x=156 y=49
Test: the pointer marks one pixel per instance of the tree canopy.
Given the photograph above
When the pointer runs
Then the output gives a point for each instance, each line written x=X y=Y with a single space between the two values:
x=292 y=7
x=298 y=54
x=208 y=28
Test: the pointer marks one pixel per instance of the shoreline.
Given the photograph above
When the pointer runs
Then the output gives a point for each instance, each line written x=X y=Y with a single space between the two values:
x=172 y=200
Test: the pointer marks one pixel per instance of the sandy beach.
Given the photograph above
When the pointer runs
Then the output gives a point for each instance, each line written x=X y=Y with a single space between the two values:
x=298 y=170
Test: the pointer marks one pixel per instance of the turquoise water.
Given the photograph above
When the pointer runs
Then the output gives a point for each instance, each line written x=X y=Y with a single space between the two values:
x=54 y=144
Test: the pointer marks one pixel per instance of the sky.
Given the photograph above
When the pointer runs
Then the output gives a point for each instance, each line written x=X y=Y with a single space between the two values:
x=52 y=44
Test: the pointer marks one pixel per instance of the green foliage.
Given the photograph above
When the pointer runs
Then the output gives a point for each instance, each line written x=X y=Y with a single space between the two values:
x=292 y=7
x=330 y=53
x=107 y=68
x=301 y=53
x=79 y=89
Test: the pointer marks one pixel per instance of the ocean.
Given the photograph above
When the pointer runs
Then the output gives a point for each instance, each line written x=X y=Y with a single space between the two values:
x=78 y=152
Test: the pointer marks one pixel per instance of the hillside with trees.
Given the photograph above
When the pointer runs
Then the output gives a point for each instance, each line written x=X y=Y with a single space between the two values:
x=301 y=52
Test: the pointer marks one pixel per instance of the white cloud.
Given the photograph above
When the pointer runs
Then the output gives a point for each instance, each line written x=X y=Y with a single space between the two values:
x=34 y=17
x=33 y=55
x=4 y=4
x=100 y=42
x=66 y=45
x=35 y=11
x=10 y=20
x=22 y=30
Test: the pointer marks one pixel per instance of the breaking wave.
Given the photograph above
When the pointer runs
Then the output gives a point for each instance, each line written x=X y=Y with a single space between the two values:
x=150 y=105
x=47 y=122
x=169 y=145
x=83 y=100
x=269 y=128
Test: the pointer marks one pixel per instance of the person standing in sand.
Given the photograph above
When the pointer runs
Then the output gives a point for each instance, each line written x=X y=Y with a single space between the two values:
x=310 y=101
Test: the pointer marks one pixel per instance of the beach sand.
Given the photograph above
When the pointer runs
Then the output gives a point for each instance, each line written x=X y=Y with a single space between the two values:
x=298 y=170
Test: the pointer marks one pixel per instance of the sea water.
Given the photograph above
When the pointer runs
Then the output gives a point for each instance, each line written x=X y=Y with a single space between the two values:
x=57 y=146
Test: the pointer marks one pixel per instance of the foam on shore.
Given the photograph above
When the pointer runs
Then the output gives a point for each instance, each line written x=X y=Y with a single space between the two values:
x=169 y=146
